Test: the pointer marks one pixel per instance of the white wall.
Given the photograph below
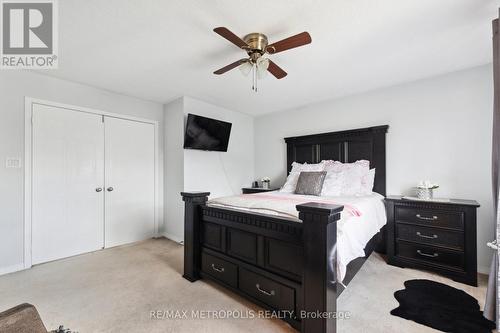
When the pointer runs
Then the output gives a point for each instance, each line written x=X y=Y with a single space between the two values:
x=14 y=86
x=440 y=129
x=220 y=173
x=174 y=169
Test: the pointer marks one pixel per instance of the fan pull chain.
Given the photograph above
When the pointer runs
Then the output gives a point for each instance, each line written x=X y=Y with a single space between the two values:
x=254 y=78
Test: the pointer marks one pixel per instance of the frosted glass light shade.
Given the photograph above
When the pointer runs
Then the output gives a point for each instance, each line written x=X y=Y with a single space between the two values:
x=245 y=68
x=262 y=65
x=263 y=62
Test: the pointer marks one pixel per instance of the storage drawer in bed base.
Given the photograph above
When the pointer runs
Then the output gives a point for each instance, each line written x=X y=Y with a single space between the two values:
x=268 y=290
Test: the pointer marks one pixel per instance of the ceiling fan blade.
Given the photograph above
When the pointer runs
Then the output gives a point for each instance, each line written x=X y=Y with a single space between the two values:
x=276 y=70
x=289 y=43
x=230 y=66
x=224 y=32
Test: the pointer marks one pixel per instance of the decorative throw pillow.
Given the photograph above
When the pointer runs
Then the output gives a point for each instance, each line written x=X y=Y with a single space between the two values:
x=293 y=177
x=297 y=167
x=339 y=166
x=367 y=183
x=312 y=167
x=310 y=182
x=332 y=186
x=348 y=176
x=291 y=183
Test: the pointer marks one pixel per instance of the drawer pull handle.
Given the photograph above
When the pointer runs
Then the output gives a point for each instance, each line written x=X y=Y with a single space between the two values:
x=267 y=293
x=425 y=236
x=220 y=270
x=434 y=218
x=434 y=255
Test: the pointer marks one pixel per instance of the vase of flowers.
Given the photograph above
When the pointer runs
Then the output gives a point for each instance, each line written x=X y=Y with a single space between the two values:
x=266 y=182
x=425 y=190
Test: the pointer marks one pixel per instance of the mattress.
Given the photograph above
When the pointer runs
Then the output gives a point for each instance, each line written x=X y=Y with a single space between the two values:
x=361 y=219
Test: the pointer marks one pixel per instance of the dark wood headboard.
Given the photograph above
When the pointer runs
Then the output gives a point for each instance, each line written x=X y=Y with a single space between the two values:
x=344 y=146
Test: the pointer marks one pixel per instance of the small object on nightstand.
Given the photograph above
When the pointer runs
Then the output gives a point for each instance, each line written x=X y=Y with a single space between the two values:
x=255 y=184
x=266 y=182
x=439 y=236
x=250 y=190
x=425 y=190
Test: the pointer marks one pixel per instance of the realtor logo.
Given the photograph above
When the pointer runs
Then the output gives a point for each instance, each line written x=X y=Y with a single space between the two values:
x=29 y=34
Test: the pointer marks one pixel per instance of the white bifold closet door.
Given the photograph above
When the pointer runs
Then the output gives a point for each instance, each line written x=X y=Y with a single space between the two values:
x=68 y=168
x=130 y=174
x=92 y=182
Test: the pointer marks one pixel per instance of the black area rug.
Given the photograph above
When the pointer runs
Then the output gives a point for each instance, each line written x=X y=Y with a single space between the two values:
x=441 y=307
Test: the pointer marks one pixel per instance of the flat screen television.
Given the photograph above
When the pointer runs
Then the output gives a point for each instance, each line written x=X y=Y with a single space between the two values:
x=206 y=133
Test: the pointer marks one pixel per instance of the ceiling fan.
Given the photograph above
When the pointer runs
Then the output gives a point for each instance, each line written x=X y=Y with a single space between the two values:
x=256 y=45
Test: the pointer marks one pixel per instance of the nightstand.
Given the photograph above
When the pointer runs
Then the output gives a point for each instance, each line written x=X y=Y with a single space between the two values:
x=431 y=235
x=250 y=190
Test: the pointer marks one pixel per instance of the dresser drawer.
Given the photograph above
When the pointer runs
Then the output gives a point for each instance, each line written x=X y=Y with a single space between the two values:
x=435 y=236
x=220 y=269
x=430 y=236
x=430 y=217
x=268 y=291
x=430 y=254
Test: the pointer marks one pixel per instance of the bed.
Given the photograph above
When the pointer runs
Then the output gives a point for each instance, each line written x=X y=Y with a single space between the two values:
x=360 y=220
x=289 y=253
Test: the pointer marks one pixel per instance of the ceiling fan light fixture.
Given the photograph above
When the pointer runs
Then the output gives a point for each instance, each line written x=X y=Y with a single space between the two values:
x=261 y=73
x=263 y=63
x=256 y=45
x=262 y=66
x=245 y=68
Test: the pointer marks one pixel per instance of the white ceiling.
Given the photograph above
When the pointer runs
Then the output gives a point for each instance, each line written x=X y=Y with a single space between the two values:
x=160 y=50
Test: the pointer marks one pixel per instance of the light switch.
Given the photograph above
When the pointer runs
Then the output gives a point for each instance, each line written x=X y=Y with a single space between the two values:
x=13 y=162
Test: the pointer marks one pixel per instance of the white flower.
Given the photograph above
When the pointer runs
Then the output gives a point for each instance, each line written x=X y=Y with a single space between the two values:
x=427 y=185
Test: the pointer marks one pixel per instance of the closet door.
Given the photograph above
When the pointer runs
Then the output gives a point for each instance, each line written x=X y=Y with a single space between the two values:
x=67 y=180
x=129 y=178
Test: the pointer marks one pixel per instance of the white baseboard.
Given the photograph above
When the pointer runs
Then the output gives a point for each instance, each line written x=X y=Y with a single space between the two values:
x=483 y=270
x=174 y=238
x=11 y=269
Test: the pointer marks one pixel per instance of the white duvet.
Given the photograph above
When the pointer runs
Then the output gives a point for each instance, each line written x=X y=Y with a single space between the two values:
x=360 y=220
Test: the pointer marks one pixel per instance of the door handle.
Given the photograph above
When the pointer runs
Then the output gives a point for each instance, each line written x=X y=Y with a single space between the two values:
x=433 y=218
x=434 y=255
x=220 y=270
x=99 y=189
x=110 y=189
x=425 y=236
x=267 y=293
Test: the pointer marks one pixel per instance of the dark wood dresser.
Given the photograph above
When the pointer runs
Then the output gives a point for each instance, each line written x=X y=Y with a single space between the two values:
x=436 y=236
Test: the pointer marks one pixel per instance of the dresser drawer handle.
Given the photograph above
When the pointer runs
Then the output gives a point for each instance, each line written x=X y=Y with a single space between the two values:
x=267 y=293
x=425 y=236
x=434 y=218
x=434 y=255
x=220 y=270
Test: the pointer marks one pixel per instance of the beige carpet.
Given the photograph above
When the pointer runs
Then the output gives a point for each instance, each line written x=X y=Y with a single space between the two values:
x=369 y=297
x=115 y=290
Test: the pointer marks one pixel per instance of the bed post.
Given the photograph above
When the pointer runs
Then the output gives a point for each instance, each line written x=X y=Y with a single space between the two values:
x=319 y=286
x=192 y=262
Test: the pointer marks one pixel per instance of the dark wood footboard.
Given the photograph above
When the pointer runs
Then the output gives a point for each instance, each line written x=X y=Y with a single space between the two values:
x=283 y=265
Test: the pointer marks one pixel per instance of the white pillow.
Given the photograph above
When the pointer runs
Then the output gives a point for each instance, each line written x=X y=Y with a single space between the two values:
x=293 y=177
x=345 y=178
x=291 y=183
x=299 y=167
x=367 y=183
x=332 y=186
